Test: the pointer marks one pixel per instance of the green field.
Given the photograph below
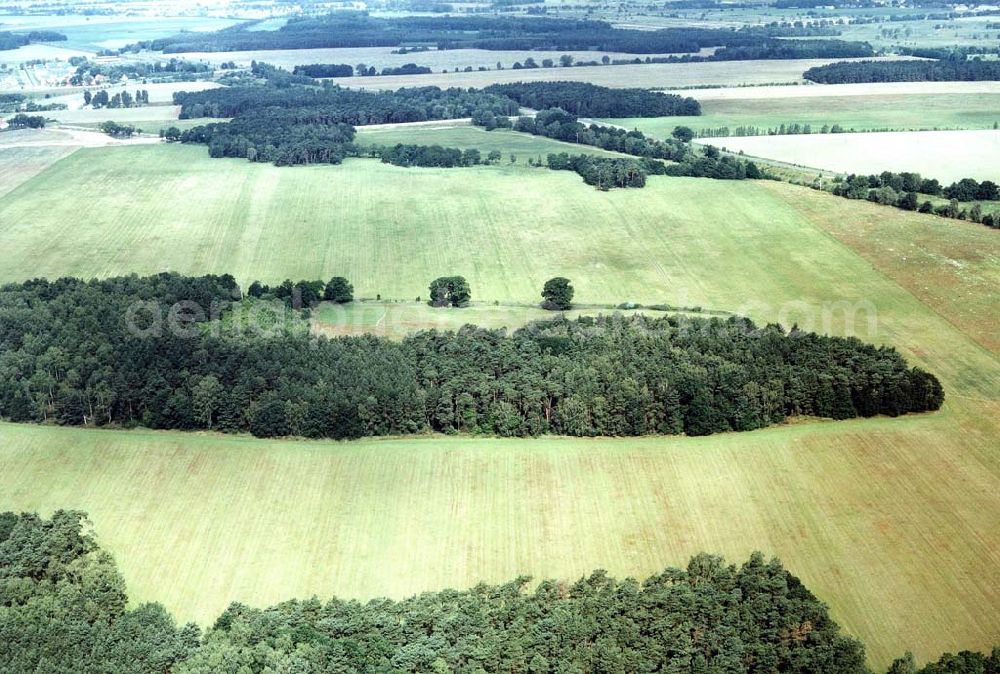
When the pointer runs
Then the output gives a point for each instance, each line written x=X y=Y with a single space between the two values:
x=461 y=135
x=19 y=164
x=861 y=113
x=891 y=521
x=398 y=319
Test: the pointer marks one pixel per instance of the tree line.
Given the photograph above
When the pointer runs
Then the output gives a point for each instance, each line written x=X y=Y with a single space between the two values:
x=605 y=172
x=908 y=191
x=23 y=121
x=904 y=71
x=324 y=70
x=64 y=607
x=84 y=352
x=122 y=99
x=10 y=40
x=588 y=100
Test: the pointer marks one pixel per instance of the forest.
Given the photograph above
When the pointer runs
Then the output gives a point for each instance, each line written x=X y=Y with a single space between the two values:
x=589 y=100
x=904 y=71
x=152 y=351
x=16 y=40
x=64 y=607
x=359 y=29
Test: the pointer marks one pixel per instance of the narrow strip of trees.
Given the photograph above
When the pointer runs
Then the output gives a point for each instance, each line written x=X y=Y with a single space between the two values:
x=910 y=191
x=905 y=71
x=588 y=100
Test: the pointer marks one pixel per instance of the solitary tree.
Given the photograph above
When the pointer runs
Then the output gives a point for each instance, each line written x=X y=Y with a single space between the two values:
x=453 y=290
x=683 y=134
x=558 y=294
x=339 y=290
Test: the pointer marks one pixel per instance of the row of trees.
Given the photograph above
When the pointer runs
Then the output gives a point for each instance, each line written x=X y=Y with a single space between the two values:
x=116 y=130
x=561 y=125
x=606 y=172
x=324 y=70
x=64 y=608
x=301 y=294
x=905 y=71
x=588 y=100
x=430 y=155
x=121 y=99
x=966 y=189
x=22 y=121
x=145 y=351
x=908 y=191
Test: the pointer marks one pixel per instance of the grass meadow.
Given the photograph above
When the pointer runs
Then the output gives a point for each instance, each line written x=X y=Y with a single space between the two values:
x=463 y=135
x=891 y=521
x=19 y=164
x=945 y=155
x=897 y=112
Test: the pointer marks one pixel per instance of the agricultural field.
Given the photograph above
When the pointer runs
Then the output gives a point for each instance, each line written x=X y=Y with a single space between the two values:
x=806 y=89
x=93 y=33
x=464 y=135
x=45 y=52
x=860 y=113
x=945 y=155
x=146 y=117
x=646 y=75
x=890 y=521
x=19 y=164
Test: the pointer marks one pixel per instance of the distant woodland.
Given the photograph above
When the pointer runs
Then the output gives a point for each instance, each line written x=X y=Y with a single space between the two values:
x=358 y=29
x=904 y=71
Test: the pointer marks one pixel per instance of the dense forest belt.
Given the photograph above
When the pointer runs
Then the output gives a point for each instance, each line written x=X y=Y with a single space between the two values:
x=64 y=608
x=145 y=351
x=904 y=71
x=358 y=29
x=589 y=100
